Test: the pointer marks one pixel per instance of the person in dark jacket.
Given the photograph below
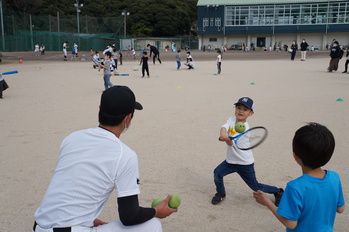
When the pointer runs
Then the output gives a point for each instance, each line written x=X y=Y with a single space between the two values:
x=304 y=47
x=346 y=62
x=294 y=48
x=156 y=52
x=335 y=57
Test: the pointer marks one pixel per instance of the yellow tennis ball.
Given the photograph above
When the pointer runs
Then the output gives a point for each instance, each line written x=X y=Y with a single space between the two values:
x=240 y=127
x=175 y=201
x=156 y=201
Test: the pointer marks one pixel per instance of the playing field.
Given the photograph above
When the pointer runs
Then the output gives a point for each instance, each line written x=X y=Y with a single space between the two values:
x=175 y=136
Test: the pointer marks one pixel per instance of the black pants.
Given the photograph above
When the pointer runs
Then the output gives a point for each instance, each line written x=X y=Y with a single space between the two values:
x=158 y=56
x=293 y=54
x=219 y=67
x=145 y=68
x=346 y=66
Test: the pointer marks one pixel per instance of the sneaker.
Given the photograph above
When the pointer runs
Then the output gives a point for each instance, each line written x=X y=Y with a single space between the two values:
x=278 y=196
x=218 y=198
x=344 y=72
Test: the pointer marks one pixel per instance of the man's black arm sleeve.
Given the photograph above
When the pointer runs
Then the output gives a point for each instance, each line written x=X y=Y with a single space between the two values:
x=131 y=213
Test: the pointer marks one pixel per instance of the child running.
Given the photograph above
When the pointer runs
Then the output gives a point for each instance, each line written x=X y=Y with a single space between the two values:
x=239 y=161
x=311 y=201
x=144 y=62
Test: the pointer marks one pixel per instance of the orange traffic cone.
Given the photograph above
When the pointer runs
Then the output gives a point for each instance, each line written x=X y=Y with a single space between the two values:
x=20 y=60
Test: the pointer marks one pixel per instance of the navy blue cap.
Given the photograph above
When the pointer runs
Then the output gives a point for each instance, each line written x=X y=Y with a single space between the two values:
x=246 y=101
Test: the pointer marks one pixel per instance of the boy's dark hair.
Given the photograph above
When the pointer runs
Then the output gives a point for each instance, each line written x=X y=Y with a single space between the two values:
x=180 y=50
x=108 y=53
x=313 y=144
x=188 y=53
x=219 y=51
x=145 y=53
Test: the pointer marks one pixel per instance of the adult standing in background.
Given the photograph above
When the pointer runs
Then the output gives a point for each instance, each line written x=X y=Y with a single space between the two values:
x=304 y=47
x=156 y=52
x=335 y=55
x=37 y=49
x=294 y=48
x=346 y=62
x=42 y=49
x=65 y=46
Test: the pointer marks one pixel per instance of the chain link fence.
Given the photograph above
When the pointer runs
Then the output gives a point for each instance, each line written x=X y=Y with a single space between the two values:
x=22 y=31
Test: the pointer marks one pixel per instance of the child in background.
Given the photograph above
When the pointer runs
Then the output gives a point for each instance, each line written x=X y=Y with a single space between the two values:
x=311 y=201
x=144 y=62
x=133 y=53
x=239 y=161
x=106 y=70
x=191 y=64
x=219 y=62
x=178 y=59
x=120 y=57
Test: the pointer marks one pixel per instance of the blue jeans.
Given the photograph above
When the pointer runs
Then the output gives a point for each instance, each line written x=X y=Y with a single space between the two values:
x=246 y=172
x=107 y=82
x=178 y=64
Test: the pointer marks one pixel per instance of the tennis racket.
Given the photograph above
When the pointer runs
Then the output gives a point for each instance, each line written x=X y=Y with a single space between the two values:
x=10 y=72
x=250 y=138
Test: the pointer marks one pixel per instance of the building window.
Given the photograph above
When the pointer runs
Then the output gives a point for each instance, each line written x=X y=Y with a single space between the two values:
x=211 y=22
x=213 y=39
x=205 y=22
x=217 y=22
x=288 y=14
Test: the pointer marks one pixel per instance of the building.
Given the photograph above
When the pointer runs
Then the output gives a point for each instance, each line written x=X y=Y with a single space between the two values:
x=272 y=23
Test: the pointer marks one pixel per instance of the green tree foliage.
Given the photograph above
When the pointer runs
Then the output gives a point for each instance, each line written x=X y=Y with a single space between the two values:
x=147 y=17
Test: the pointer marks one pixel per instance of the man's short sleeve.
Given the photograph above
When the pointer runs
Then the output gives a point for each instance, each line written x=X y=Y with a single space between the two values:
x=127 y=176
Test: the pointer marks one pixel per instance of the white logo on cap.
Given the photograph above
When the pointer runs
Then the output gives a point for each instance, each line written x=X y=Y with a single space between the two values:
x=245 y=99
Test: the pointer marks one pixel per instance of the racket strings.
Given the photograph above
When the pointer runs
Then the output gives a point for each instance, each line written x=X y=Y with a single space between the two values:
x=251 y=139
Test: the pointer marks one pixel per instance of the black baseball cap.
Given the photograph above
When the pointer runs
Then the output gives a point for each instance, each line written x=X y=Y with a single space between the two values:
x=119 y=100
x=246 y=101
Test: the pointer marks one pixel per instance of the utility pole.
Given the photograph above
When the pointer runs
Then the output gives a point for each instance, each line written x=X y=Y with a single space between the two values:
x=78 y=6
x=125 y=14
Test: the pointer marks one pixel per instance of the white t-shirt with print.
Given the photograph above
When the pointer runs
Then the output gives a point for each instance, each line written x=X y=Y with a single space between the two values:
x=235 y=155
x=92 y=163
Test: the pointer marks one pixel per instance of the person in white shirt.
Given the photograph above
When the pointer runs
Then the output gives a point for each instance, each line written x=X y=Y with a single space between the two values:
x=219 y=62
x=65 y=46
x=239 y=161
x=92 y=164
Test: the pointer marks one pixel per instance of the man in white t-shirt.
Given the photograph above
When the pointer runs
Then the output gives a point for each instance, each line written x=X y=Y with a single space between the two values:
x=65 y=46
x=92 y=163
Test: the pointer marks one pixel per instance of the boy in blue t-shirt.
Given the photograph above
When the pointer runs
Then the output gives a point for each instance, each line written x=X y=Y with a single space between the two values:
x=310 y=202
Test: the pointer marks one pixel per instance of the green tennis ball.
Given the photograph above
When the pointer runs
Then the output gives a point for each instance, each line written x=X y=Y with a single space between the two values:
x=175 y=201
x=240 y=127
x=156 y=201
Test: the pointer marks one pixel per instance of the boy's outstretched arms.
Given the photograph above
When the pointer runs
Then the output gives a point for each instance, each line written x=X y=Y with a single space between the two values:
x=224 y=137
x=263 y=199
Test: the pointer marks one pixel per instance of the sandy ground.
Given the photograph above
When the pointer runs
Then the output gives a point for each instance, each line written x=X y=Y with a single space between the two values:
x=175 y=136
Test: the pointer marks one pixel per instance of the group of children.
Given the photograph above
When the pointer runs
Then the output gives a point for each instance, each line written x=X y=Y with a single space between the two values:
x=310 y=202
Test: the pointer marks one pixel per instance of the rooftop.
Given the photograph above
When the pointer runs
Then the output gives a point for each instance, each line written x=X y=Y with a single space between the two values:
x=249 y=2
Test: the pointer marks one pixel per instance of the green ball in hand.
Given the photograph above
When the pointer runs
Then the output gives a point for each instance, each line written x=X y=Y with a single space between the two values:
x=240 y=127
x=175 y=201
x=156 y=201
